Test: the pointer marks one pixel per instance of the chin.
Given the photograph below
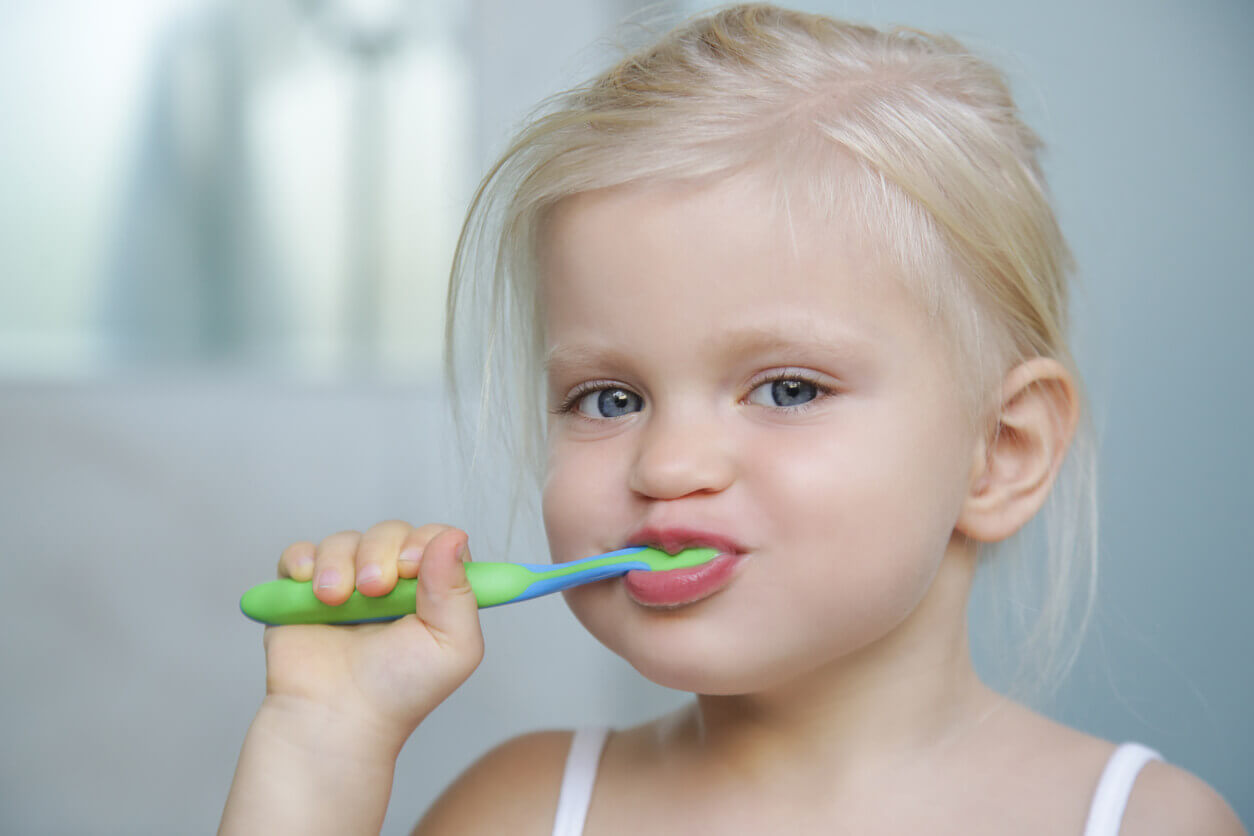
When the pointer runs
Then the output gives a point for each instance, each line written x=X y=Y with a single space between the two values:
x=716 y=673
x=685 y=653
x=690 y=679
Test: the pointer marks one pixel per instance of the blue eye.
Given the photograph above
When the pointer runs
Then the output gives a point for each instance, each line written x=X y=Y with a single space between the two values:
x=611 y=402
x=787 y=391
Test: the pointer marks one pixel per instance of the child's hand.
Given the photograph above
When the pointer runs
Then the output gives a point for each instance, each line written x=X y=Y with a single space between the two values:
x=378 y=679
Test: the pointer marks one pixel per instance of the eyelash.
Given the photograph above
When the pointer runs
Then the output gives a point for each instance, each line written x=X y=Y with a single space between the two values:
x=823 y=390
x=568 y=406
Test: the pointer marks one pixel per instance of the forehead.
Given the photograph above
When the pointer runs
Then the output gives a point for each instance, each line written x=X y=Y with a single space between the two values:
x=717 y=255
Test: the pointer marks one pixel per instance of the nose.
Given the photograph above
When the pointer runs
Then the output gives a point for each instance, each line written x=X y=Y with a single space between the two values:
x=677 y=457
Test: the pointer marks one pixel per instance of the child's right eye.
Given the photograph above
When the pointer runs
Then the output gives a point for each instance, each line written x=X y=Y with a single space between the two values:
x=607 y=402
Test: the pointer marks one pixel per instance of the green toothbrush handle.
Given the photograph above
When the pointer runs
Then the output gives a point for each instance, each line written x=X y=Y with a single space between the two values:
x=286 y=601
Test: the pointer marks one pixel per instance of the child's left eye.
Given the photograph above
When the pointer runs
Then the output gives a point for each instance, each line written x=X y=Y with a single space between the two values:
x=784 y=392
x=607 y=402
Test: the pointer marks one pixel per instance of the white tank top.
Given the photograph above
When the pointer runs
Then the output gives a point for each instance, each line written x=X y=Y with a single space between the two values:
x=1105 y=813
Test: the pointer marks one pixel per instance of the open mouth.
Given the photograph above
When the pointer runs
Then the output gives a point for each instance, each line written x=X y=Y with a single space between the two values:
x=672 y=588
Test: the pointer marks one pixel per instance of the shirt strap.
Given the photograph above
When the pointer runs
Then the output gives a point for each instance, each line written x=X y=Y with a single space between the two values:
x=578 y=780
x=1115 y=786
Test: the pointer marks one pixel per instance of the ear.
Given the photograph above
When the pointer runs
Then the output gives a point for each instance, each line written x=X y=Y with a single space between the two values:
x=1013 y=471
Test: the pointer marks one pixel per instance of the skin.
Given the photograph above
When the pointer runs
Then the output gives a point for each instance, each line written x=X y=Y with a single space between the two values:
x=841 y=644
x=835 y=691
x=340 y=702
x=810 y=491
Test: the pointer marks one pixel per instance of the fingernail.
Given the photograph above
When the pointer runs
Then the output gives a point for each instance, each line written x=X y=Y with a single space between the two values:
x=303 y=564
x=461 y=552
x=410 y=556
x=328 y=578
x=368 y=574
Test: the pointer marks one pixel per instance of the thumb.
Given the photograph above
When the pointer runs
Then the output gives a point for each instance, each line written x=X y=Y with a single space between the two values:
x=445 y=602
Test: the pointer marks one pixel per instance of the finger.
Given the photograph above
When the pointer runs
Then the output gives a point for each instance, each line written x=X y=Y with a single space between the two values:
x=377 y=554
x=333 y=567
x=415 y=543
x=297 y=561
x=445 y=602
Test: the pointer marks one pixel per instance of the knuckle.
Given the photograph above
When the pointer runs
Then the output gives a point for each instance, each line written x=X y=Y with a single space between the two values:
x=472 y=656
x=295 y=550
x=340 y=542
x=465 y=648
x=377 y=552
x=424 y=534
x=370 y=549
x=476 y=647
x=294 y=554
x=388 y=530
x=298 y=548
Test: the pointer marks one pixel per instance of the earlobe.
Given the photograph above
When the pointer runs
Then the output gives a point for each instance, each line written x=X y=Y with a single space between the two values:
x=1015 y=468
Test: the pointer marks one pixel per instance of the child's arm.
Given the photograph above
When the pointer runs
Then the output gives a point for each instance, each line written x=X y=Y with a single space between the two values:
x=341 y=701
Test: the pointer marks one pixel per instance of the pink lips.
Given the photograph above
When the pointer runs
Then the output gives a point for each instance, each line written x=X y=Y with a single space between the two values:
x=676 y=587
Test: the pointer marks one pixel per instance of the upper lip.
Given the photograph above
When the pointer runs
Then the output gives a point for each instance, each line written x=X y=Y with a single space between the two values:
x=675 y=540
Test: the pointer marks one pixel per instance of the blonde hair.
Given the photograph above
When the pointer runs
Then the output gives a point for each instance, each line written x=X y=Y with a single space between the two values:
x=907 y=134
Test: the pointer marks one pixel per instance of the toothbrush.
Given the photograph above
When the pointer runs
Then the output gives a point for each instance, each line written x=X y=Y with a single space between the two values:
x=286 y=601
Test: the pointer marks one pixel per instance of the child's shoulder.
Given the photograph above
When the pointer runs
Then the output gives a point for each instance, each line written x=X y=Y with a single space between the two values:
x=514 y=787
x=510 y=789
x=1169 y=800
x=1163 y=798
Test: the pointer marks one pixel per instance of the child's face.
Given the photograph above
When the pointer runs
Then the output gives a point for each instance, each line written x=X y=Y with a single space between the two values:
x=771 y=391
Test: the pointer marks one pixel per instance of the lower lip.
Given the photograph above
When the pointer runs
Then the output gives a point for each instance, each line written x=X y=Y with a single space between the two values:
x=676 y=587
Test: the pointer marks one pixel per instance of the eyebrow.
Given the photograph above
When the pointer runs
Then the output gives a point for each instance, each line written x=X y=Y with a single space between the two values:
x=792 y=336
x=848 y=345
x=561 y=357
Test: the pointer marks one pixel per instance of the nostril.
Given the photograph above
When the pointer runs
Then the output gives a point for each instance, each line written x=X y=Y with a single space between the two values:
x=672 y=471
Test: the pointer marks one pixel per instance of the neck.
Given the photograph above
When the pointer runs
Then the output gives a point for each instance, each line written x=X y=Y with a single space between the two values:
x=909 y=694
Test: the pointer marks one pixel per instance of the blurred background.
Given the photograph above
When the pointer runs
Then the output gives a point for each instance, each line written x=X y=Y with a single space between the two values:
x=225 y=229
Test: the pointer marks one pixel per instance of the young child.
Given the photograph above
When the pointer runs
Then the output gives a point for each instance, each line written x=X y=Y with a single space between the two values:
x=794 y=290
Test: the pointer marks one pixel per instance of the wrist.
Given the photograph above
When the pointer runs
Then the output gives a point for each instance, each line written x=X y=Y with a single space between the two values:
x=329 y=736
x=307 y=769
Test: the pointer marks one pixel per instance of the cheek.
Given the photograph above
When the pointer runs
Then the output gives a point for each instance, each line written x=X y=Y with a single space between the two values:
x=874 y=500
x=578 y=507
x=578 y=499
